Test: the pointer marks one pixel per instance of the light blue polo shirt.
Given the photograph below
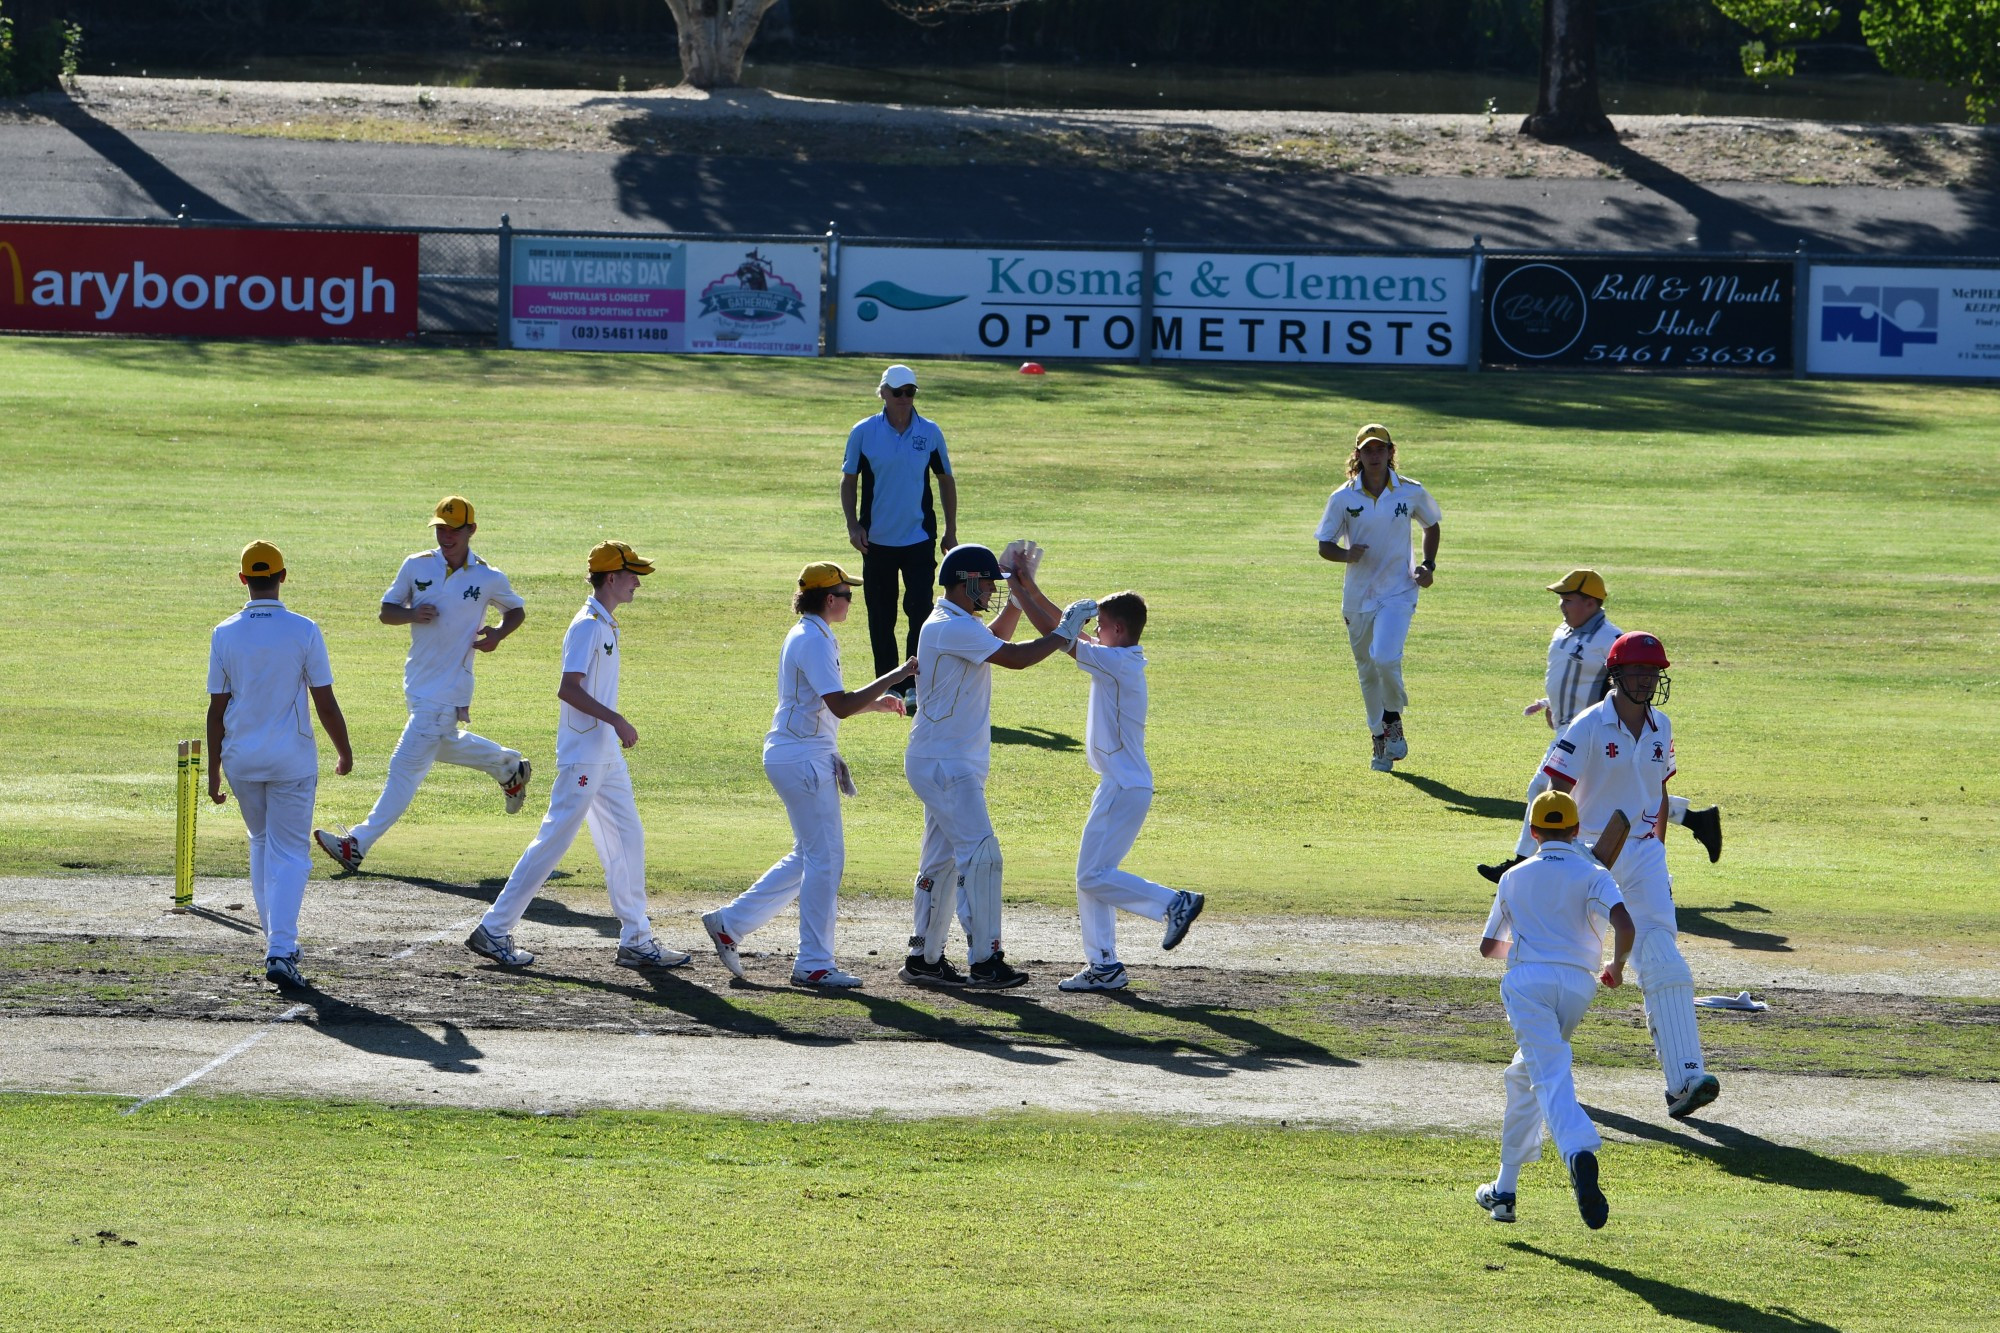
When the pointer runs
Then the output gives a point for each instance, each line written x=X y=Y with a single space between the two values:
x=895 y=478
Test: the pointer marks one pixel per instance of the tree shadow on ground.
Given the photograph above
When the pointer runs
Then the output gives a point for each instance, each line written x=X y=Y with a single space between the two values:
x=1682 y=1303
x=1700 y=921
x=1039 y=737
x=1464 y=803
x=377 y=1033
x=168 y=190
x=1753 y=1157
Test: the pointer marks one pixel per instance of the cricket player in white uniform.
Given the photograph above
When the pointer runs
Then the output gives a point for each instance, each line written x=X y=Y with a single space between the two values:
x=264 y=663
x=802 y=761
x=949 y=753
x=1618 y=757
x=592 y=783
x=442 y=595
x=1373 y=513
x=1576 y=679
x=1548 y=922
x=1116 y=747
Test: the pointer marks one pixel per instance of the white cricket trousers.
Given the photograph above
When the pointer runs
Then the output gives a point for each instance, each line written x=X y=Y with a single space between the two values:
x=958 y=864
x=1664 y=977
x=810 y=872
x=1677 y=806
x=1377 y=639
x=1545 y=1002
x=279 y=817
x=1116 y=816
x=431 y=734
x=600 y=795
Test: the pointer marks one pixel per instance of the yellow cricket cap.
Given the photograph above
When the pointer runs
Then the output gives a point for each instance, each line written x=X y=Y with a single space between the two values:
x=1586 y=581
x=261 y=560
x=1554 y=810
x=824 y=574
x=610 y=557
x=454 y=511
x=1374 y=430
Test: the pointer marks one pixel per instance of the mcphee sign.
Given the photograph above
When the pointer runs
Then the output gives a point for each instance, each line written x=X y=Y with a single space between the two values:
x=207 y=281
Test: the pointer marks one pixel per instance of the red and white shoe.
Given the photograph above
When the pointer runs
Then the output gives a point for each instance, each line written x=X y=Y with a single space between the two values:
x=342 y=847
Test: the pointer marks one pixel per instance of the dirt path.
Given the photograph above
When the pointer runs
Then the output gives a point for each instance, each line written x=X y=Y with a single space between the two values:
x=751 y=123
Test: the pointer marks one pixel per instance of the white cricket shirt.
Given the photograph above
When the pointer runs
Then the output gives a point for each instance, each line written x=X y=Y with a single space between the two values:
x=1577 y=673
x=1116 y=728
x=439 y=667
x=1614 y=769
x=590 y=645
x=1387 y=570
x=265 y=658
x=1554 y=907
x=954 y=687
x=808 y=670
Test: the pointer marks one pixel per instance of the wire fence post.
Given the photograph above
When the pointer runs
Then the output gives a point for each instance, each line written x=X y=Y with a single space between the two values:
x=829 y=312
x=1475 y=322
x=1147 y=263
x=503 y=309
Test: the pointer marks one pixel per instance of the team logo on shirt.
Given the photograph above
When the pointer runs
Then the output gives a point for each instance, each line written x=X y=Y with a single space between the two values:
x=1354 y=512
x=1611 y=749
x=583 y=779
x=608 y=647
x=920 y=443
x=1402 y=511
x=1658 y=752
x=472 y=592
x=423 y=584
x=1565 y=747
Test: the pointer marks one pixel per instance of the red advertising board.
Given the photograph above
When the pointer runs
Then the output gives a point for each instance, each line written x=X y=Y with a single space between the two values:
x=228 y=282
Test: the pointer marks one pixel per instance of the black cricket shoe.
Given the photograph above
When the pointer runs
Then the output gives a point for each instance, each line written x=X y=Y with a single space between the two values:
x=1590 y=1200
x=1706 y=825
x=995 y=974
x=1697 y=1094
x=920 y=973
x=1492 y=874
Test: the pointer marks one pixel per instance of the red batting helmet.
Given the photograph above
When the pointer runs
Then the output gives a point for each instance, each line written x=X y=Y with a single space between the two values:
x=1636 y=649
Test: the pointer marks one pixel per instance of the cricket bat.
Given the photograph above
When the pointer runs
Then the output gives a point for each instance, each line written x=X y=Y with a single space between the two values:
x=1612 y=840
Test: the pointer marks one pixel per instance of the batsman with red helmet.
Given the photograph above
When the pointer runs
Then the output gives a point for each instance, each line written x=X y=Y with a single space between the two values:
x=1617 y=756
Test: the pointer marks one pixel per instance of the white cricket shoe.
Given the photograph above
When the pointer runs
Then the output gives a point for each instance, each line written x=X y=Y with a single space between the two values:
x=650 y=953
x=1498 y=1206
x=282 y=971
x=1109 y=977
x=831 y=977
x=1393 y=743
x=1381 y=763
x=1181 y=913
x=725 y=944
x=1697 y=1094
x=343 y=847
x=500 y=948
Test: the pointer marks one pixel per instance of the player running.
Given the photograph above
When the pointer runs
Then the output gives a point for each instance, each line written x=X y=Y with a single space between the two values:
x=1378 y=598
x=1548 y=923
x=1576 y=679
x=1616 y=758
x=442 y=595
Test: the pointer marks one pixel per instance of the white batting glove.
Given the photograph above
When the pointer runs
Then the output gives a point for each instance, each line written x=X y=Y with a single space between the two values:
x=843 y=776
x=1010 y=557
x=1075 y=616
x=1030 y=559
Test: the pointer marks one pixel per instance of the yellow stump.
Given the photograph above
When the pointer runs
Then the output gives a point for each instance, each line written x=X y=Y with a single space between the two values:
x=187 y=802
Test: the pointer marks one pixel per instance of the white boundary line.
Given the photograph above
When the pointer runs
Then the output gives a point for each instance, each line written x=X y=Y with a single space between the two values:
x=220 y=1060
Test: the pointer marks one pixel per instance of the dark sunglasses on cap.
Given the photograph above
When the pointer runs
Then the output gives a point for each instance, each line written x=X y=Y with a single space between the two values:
x=907 y=391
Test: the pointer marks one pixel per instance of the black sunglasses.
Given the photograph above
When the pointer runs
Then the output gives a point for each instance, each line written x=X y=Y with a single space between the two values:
x=845 y=594
x=907 y=391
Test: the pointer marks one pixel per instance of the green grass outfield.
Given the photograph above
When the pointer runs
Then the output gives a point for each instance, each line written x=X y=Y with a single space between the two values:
x=1819 y=559
x=273 y=1214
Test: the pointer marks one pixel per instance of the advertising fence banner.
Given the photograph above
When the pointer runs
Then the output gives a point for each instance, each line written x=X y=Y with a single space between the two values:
x=1319 y=309
x=1904 y=321
x=1640 y=312
x=217 y=282
x=639 y=295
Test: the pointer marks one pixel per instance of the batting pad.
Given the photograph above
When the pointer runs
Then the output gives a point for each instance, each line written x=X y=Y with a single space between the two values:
x=930 y=920
x=982 y=900
x=1668 y=985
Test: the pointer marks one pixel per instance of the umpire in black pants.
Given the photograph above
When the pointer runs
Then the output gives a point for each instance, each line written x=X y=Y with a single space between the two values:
x=885 y=492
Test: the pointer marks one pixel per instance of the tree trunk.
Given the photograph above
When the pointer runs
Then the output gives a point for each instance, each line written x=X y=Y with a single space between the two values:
x=713 y=35
x=1567 y=106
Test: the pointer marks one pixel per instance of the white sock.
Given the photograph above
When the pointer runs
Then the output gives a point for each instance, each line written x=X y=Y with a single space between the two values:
x=1510 y=1178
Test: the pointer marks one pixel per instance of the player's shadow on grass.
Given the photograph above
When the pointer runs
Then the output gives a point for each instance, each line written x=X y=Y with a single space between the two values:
x=670 y=990
x=1753 y=1157
x=1700 y=921
x=1464 y=803
x=377 y=1033
x=1174 y=1055
x=1039 y=737
x=1266 y=1044
x=1677 y=1302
